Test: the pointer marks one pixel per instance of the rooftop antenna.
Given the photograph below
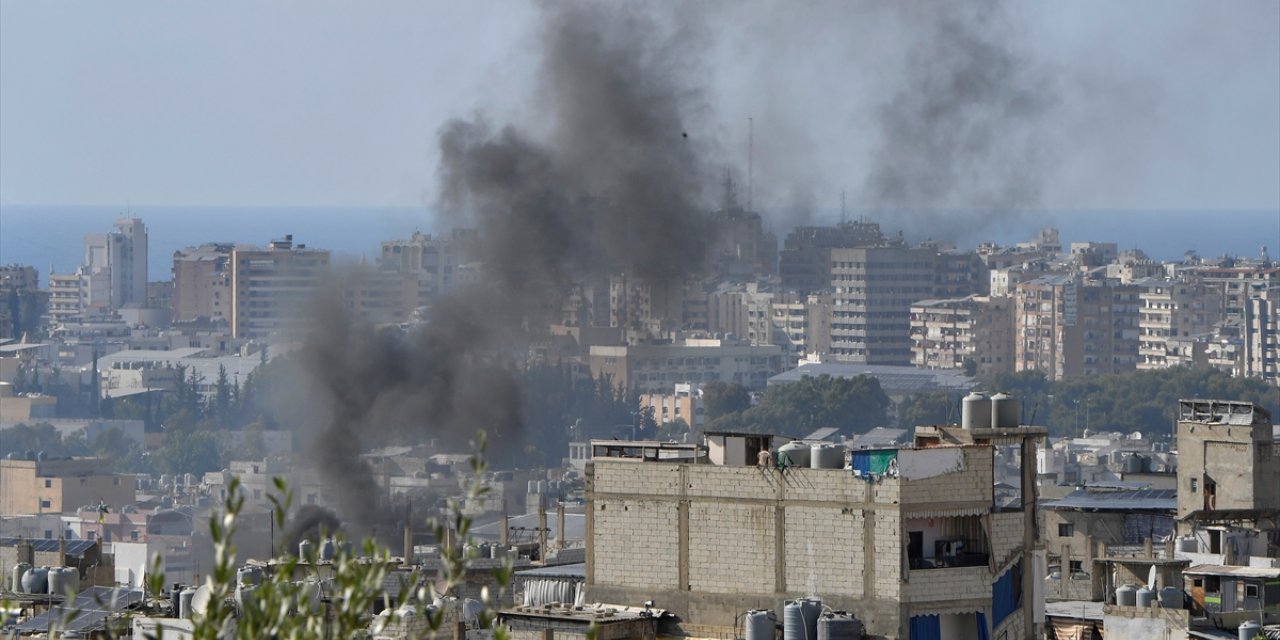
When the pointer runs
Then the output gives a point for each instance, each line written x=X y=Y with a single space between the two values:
x=844 y=214
x=751 y=144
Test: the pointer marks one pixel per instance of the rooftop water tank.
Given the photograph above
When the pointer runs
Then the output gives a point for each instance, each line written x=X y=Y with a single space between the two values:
x=245 y=597
x=1248 y=630
x=184 y=602
x=839 y=625
x=346 y=548
x=1126 y=596
x=305 y=549
x=1006 y=413
x=796 y=454
x=1133 y=464
x=35 y=580
x=16 y=581
x=1145 y=597
x=327 y=549
x=761 y=625
x=800 y=619
x=975 y=411
x=249 y=576
x=825 y=455
x=1187 y=544
x=1171 y=598
x=309 y=596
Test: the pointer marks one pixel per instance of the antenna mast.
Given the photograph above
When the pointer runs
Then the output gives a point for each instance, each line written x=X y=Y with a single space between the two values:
x=844 y=215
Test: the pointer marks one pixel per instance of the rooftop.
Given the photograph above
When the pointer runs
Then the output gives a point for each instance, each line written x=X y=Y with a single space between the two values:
x=1138 y=500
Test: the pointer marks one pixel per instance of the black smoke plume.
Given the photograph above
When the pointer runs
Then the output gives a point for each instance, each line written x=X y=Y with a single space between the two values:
x=606 y=177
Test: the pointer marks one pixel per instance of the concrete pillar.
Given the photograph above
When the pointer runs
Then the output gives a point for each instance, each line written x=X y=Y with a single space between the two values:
x=62 y=550
x=560 y=526
x=460 y=630
x=408 y=545
x=1146 y=547
x=504 y=536
x=548 y=634
x=542 y=533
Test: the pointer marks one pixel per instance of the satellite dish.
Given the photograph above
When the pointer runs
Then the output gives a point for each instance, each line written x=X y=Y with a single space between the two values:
x=200 y=599
x=1151 y=578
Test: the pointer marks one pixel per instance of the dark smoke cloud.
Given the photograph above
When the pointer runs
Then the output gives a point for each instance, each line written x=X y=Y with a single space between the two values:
x=617 y=181
x=607 y=177
x=965 y=126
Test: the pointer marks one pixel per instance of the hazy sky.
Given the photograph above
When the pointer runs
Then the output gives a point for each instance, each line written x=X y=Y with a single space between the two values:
x=1157 y=104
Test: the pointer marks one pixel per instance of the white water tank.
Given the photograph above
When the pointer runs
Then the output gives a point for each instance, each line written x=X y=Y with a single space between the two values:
x=1248 y=630
x=18 y=570
x=1126 y=596
x=184 y=602
x=1171 y=598
x=1006 y=413
x=975 y=411
x=825 y=455
x=795 y=453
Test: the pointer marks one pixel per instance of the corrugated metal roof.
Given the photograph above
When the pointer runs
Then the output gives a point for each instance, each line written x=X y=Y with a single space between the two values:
x=1140 y=500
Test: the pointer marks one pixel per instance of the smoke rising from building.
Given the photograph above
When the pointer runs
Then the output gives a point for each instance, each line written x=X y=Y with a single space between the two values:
x=608 y=179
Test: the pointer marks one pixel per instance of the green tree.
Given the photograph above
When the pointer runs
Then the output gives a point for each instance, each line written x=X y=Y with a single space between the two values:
x=720 y=398
x=926 y=408
x=854 y=404
x=222 y=396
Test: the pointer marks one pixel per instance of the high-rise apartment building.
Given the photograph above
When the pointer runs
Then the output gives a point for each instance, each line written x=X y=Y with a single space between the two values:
x=1170 y=310
x=1067 y=327
x=950 y=333
x=115 y=267
x=22 y=303
x=202 y=283
x=1260 y=332
x=271 y=288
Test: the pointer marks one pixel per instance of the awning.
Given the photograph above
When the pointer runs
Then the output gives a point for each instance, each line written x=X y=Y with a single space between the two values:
x=943 y=512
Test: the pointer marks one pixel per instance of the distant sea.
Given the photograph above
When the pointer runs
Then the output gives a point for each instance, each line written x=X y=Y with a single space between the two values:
x=53 y=236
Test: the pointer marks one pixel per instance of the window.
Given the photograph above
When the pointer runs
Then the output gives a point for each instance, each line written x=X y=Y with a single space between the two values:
x=1076 y=566
x=45 y=503
x=1250 y=590
x=92 y=535
x=133 y=535
x=48 y=534
x=1195 y=486
x=1066 y=529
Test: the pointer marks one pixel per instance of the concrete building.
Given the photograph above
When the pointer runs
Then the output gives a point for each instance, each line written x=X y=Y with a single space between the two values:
x=202 y=283
x=802 y=324
x=1171 y=310
x=434 y=262
x=1092 y=529
x=1066 y=326
x=1260 y=336
x=684 y=403
x=911 y=543
x=1239 y=284
x=272 y=288
x=1226 y=459
x=654 y=367
x=947 y=334
x=115 y=266
x=22 y=303
x=742 y=309
x=61 y=486
x=64 y=297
